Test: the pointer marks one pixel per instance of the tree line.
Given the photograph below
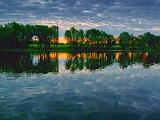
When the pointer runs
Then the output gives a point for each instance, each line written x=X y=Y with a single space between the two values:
x=19 y=36
x=96 y=39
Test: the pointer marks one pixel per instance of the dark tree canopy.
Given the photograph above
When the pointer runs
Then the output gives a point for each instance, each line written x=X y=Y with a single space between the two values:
x=14 y=35
x=19 y=36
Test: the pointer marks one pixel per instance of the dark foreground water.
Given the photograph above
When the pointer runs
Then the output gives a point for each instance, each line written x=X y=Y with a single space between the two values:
x=82 y=86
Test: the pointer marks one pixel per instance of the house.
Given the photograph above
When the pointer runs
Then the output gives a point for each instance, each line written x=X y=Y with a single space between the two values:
x=35 y=38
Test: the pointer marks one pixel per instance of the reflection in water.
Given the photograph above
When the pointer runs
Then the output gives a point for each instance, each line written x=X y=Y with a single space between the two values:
x=49 y=62
x=91 y=61
x=30 y=63
x=113 y=93
x=95 y=60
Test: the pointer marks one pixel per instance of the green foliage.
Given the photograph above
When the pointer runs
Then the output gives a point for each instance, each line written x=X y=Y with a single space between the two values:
x=148 y=41
x=18 y=36
x=126 y=40
x=95 y=38
x=74 y=36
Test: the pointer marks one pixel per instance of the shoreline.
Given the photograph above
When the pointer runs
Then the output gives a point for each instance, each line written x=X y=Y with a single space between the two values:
x=35 y=50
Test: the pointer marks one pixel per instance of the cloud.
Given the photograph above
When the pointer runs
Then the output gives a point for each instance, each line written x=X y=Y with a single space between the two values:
x=111 y=15
x=86 y=11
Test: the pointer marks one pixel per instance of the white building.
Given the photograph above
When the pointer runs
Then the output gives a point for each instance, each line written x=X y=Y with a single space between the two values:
x=35 y=38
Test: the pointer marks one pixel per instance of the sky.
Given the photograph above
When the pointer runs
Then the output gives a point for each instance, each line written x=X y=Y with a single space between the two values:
x=113 y=16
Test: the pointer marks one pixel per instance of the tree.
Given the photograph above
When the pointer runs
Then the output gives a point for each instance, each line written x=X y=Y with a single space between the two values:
x=19 y=36
x=80 y=35
x=94 y=36
x=149 y=39
x=125 y=40
x=74 y=37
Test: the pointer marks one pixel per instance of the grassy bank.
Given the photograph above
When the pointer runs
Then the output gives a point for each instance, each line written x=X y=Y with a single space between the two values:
x=59 y=47
x=67 y=48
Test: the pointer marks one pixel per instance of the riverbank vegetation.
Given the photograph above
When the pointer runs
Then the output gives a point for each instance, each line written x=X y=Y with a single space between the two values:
x=100 y=40
x=18 y=36
x=15 y=36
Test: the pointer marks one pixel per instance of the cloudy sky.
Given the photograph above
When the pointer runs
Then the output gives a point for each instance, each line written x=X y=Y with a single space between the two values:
x=114 y=16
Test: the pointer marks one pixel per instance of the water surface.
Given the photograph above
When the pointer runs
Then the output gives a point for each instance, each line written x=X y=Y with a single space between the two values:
x=80 y=86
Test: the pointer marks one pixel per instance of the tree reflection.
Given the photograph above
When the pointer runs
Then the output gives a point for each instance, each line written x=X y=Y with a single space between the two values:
x=96 y=60
x=151 y=58
x=99 y=61
x=46 y=64
x=20 y=62
x=13 y=62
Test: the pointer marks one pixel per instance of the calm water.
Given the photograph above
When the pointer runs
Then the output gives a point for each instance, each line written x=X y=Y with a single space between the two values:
x=82 y=86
